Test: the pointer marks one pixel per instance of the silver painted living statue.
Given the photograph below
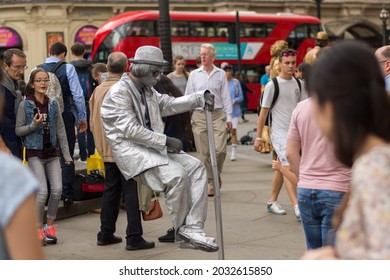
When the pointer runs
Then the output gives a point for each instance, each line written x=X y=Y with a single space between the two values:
x=131 y=114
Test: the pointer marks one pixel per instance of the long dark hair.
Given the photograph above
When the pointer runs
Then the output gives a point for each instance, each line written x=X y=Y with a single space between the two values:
x=181 y=122
x=166 y=86
x=349 y=77
x=29 y=87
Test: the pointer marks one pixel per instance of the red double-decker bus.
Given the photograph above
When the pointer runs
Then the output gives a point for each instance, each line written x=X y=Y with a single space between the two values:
x=128 y=31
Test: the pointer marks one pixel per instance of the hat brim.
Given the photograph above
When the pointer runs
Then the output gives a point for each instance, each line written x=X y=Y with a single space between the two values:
x=142 y=61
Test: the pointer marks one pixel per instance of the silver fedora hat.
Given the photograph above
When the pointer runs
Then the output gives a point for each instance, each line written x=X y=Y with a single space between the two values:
x=149 y=55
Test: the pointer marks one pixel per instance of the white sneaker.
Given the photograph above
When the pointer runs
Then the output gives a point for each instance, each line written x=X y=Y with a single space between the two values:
x=233 y=157
x=296 y=212
x=198 y=239
x=275 y=208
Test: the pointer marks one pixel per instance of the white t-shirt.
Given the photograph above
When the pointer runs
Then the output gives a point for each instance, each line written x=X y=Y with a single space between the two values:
x=289 y=96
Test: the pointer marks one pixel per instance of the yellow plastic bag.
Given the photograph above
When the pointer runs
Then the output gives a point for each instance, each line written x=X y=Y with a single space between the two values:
x=25 y=162
x=95 y=164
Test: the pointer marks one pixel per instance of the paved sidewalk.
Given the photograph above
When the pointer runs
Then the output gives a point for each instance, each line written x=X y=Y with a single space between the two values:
x=249 y=232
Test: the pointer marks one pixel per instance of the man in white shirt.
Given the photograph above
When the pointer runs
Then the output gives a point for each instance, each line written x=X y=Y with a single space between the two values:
x=209 y=77
x=289 y=96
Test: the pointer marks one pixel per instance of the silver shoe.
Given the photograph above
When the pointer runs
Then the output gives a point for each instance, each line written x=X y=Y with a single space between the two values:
x=198 y=239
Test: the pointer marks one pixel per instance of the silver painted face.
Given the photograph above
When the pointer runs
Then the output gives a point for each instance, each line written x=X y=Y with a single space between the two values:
x=153 y=76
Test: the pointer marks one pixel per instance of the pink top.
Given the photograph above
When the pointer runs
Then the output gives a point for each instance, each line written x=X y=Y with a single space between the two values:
x=319 y=168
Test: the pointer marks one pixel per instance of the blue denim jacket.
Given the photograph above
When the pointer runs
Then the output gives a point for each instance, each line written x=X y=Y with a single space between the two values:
x=34 y=140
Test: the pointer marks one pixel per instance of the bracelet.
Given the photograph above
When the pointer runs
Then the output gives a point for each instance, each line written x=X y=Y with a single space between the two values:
x=258 y=138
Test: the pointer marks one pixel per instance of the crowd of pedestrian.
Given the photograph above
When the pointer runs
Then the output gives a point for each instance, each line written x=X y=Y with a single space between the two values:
x=329 y=129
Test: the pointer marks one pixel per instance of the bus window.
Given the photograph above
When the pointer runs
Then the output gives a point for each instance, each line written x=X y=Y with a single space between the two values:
x=197 y=29
x=209 y=29
x=313 y=29
x=221 y=29
x=140 y=28
x=256 y=30
x=179 y=29
x=268 y=28
x=111 y=41
x=210 y=32
x=302 y=31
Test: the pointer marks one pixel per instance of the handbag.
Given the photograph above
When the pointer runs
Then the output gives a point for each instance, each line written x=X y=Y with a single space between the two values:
x=25 y=162
x=266 y=138
x=154 y=212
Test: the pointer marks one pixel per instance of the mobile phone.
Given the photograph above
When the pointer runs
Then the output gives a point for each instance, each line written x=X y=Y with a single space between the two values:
x=36 y=111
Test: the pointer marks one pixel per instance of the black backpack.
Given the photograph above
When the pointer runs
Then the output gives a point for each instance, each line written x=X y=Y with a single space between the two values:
x=274 y=99
x=55 y=67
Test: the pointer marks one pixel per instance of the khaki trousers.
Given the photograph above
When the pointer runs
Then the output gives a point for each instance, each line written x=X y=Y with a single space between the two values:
x=199 y=129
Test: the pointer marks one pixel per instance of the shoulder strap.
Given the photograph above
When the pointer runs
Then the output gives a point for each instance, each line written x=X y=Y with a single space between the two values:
x=299 y=83
x=276 y=92
x=58 y=64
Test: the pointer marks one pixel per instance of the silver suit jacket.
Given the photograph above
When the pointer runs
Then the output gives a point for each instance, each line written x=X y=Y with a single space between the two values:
x=136 y=148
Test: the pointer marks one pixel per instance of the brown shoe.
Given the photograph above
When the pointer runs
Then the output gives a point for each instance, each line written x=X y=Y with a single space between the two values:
x=210 y=192
x=97 y=210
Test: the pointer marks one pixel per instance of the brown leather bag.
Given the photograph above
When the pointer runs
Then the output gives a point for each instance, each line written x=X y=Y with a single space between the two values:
x=266 y=138
x=154 y=212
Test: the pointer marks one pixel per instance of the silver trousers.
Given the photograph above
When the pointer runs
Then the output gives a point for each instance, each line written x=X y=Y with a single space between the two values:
x=184 y=183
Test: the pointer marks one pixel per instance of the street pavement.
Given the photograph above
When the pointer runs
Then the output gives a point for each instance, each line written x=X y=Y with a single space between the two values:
x=249 y=231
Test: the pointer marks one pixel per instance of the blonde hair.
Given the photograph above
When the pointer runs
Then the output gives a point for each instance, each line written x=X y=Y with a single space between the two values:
x=275 y=51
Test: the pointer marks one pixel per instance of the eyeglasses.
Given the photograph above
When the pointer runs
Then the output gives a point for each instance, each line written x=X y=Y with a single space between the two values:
x=19 y=68
x=156 y=73
x=40 y=81
x=288 y=53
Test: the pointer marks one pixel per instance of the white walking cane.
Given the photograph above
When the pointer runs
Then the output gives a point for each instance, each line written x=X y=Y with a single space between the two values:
x=209 y=107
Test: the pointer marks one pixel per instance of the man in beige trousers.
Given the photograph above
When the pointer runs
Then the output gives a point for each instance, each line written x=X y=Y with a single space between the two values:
x=210 y=77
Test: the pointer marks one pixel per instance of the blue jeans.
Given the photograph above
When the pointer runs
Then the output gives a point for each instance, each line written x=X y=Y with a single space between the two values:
x=317 y=208
x=85 y=140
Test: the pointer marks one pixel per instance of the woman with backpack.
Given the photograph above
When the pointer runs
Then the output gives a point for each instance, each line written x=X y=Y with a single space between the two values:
x=39 y=123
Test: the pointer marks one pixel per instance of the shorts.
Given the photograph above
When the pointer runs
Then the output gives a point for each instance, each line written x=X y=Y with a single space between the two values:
x=235 y=122
x=280 y=146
